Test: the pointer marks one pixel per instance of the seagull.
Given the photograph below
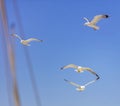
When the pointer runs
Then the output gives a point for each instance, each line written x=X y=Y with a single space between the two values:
x=79 y=87
x=93 y=22
x=80 y=69
x=27 y=41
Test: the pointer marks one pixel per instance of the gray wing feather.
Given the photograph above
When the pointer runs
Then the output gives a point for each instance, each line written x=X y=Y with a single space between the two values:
x=89 y=83
x=86 y=19
x=72 y=83
x=97 y=18
x=69 y=66
x=32 y=39
x=90 y=70
x=16 y=36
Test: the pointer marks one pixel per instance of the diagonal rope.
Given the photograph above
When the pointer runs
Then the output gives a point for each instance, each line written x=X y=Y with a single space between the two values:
x=10 y=53
x=15 y=86
x=27 y=55
x=6 y=64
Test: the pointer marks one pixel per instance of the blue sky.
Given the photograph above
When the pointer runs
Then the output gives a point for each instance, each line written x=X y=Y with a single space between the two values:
x=66 y=40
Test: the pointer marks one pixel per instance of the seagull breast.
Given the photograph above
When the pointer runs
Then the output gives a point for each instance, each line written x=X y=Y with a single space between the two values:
x=24 y=42
x=81 y=88
x=80 y=69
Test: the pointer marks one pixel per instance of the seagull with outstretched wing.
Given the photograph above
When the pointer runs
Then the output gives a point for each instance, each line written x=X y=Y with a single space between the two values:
x=80 y=69
x=79 y=87
x=27 y=41
x=93 y=22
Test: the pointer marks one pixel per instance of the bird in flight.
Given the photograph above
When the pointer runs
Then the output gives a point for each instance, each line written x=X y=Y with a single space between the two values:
x=79 y=87
x=27 y=41
x=80 y=69
x=93 y=22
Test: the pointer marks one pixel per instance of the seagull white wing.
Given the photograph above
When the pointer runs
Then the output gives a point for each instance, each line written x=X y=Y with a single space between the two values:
x=72 y=83
x=32 y=39
x=69 y=66
x=86 y=19
x=98 y=18
x=89 y=82
x=90 y=70
x=16 y=36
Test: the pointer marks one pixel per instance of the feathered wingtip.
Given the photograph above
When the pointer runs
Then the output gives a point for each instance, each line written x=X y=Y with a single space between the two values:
x=13 y=34
x=86 y=19
x=97 y=77
x=66 y=80
x=41 y=40
x=61 y=68
x=106 y=16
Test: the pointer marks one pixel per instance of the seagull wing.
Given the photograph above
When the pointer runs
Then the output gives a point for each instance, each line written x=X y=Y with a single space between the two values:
x=90 y=70
x=32 y=39
x=89 y=82
x=98 y=18
x=16 y=36
x=69 y=66
x=72 y=83
x=86 y=19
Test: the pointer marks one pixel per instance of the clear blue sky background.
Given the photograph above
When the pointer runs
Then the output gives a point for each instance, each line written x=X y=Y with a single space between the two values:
x=59 y=23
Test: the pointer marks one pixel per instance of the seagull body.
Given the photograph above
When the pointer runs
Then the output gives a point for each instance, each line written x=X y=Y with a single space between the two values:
x=79 y=69
x=79 y=87
x=92 y=23
x=27 y=41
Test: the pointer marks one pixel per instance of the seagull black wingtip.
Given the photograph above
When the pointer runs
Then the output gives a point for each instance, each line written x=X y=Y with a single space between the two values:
x=97 y=77
x=61 y=68
x=107 y=16
x=65 y=80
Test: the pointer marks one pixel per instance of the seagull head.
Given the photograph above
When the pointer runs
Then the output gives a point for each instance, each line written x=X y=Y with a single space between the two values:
x=80 y=69
x=22 y=41
x=86 y=23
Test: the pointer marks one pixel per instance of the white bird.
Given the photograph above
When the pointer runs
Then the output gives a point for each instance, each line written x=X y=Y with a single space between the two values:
x=79 y=87
x=93 y=22
x=27 y=41
x=79 y=69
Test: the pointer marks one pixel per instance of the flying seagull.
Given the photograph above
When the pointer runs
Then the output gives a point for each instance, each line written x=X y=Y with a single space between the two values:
x=93 y=22
x=79 y=69
x=79 y=87
x=27 y=41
